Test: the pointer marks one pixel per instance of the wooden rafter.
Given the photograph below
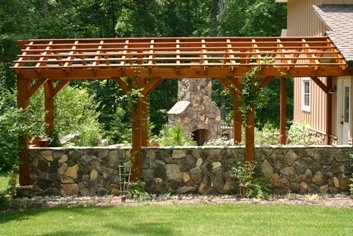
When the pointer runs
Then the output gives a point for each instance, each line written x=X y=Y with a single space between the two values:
x=177 y=57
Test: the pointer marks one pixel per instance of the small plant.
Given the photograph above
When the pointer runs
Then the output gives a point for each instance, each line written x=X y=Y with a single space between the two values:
x=6 y=195
x=249 y=180
x=174 y=136
x=137 y=191
x=135 y=96
x=300 y=134
x=268 y=135
x=4 y=201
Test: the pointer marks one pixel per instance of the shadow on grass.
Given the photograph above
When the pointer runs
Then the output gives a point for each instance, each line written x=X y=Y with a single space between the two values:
x=68 y=233
x=116 y=225
x=150 y=228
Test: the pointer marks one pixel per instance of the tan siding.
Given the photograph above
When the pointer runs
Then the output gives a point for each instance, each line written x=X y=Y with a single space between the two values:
x=316 y=117
x=302 y=21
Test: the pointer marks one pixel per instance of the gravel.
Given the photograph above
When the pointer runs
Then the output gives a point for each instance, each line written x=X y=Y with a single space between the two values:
x=341 y=201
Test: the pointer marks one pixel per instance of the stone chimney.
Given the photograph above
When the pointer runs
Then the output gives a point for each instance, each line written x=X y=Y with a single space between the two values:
x=195 y=111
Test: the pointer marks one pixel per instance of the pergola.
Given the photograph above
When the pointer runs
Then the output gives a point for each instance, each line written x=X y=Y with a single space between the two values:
x=52 y=63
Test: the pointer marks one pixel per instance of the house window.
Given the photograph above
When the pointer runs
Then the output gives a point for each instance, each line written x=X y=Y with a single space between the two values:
x=306 y=89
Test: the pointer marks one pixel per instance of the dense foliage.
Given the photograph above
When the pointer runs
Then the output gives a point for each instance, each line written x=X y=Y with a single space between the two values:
x=110 y=116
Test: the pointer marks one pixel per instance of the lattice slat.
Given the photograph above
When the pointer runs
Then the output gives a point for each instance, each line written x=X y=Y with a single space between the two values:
x=231 y=53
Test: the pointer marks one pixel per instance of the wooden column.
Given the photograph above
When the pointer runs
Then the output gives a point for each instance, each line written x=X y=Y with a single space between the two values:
x=136 y=140
x=136 y=111
x=283 y=111
x=48 y=106
x=328 y=112
x=23 y=87
x=144 y=121
x=249 y=136
x=144 y=115
x=236 y=118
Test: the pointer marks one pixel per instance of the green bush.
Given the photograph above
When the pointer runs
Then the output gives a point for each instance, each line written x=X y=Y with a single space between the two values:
x=75 y=113
x=137 y=191
x=174 y=136
x=119 y=131
x=249 y=180
x=12 y=126
x=268 y=135
x=300 y=134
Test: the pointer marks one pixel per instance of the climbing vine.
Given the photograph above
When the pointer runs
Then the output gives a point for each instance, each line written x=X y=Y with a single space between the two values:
x=249 y=90
x=251 y=95
x=135 y=95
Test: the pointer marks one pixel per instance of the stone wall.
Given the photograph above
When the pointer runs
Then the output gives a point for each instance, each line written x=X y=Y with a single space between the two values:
x=202 y=170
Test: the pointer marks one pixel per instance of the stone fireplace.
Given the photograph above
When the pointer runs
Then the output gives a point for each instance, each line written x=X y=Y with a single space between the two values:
x=195 y=111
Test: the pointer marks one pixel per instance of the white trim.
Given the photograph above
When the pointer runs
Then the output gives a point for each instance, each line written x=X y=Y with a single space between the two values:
x=305 y=94
x=339 y=115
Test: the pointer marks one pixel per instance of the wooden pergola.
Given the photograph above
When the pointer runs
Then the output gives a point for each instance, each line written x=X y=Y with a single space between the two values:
x=52 y=63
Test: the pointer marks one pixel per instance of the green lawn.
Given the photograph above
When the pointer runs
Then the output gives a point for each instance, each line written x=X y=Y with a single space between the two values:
x=180 y=220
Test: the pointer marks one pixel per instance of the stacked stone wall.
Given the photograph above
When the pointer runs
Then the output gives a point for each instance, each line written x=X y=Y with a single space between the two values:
x=200 y=170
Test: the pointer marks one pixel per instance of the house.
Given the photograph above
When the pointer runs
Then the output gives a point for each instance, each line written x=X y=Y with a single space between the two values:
x=333 y=18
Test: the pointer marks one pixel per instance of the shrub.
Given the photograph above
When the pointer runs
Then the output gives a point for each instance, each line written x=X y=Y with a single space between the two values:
x=174 y=136
x=267 y=135
x=249 y=179
x=11 y=121
x=301 y=134
x=75 y=113
x=137 y=191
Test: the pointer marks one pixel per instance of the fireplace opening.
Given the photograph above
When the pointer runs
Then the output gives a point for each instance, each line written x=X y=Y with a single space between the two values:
x=201 y=136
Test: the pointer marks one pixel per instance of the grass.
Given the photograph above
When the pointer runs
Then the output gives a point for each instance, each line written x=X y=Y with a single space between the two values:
x=4 y=180
x=180 y=220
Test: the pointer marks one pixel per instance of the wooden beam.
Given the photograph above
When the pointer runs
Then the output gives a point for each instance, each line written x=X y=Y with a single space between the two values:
x=136 y=142
x=265 y=82
x=320 y=84
x=23 y=90
x=328 y=113
x=283 y=111
x=151 y=85
x=237 y=121
x=144 y=121
x=228 y=85
x=235 y=81
x=36 y=86
x=144 y=115
x=121 y=84
x=250 y=136
x=136 y=111
x=49 y=107
x=181 y=72
x=59 y=86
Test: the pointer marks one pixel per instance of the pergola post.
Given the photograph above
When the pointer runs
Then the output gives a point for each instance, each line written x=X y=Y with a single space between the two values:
x=138 y=111
x=236 y=118
x=144 y=122
x=144 y=115
x=250 y=136
x=48 y=106
x=23 y=87
x=328 y=112
x=283 y=111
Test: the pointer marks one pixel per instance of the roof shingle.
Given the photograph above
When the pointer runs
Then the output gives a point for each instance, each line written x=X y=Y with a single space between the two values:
x=339 y=19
